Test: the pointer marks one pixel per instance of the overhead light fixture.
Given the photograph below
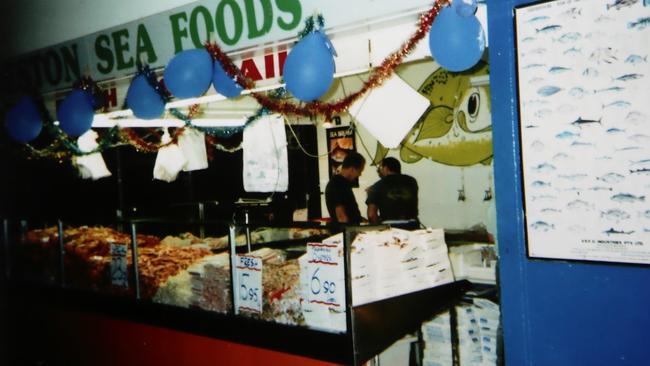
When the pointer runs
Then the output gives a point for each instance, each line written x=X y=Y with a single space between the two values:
x=167 y=122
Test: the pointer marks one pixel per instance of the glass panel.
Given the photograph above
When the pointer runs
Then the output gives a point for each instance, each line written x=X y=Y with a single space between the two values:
x=35 y=251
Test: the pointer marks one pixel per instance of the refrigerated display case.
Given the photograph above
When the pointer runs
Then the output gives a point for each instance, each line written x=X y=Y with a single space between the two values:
x=347 y=293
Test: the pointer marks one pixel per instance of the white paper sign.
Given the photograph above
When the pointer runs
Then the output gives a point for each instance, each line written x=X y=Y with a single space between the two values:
x=325 y=271
x=119 y=268
x=249 y=291
x=379 y=114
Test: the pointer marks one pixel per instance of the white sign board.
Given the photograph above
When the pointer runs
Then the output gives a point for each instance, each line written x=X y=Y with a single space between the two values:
x=325 y=272
x=249 y=291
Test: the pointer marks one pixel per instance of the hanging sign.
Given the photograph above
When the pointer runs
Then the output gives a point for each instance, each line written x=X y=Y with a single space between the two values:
x=249 y=291
x=340 y=142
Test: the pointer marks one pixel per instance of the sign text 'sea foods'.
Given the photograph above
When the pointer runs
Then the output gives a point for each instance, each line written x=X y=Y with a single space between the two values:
x=154 y=40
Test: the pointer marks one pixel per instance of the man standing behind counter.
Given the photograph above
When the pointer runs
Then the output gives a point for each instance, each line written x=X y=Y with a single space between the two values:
x=394 y=198
x=341 y=204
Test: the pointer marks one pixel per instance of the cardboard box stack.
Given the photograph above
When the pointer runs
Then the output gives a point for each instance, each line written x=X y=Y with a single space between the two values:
x=476 y=326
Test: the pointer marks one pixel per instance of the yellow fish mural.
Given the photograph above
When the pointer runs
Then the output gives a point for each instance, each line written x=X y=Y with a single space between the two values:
x=456 y=129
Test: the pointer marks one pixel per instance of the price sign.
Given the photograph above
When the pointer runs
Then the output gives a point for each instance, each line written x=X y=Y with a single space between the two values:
x=326 y=279
x=248 y=292
x=119 y=274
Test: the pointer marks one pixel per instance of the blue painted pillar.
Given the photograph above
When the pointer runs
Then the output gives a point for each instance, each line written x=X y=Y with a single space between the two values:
x=554 y=312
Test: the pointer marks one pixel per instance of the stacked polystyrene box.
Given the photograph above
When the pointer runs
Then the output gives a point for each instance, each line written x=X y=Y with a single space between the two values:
x=477 y=325
x=436 y=334
x=487 y=314
x=469 y=340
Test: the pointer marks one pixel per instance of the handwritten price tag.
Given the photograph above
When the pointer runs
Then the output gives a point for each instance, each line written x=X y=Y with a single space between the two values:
x=119 y=274
x=326 y=280
x=248 y=292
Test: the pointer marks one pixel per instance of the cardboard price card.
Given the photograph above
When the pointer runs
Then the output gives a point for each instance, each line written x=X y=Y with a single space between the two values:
x=119 y=272
x=249 y=291
x=325 y=271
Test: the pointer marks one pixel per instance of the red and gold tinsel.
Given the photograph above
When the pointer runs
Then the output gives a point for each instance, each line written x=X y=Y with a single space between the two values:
x=132 y=138
x=151 y=142
x=376 y=79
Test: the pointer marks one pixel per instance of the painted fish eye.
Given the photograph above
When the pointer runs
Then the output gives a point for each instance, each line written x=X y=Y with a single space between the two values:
x=470 y=117
x=473 y=106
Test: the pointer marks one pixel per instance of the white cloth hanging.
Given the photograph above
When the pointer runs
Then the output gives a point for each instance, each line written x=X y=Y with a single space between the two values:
x=91 y=166
x=266 y=163
x=192 y=142
x=169 y=161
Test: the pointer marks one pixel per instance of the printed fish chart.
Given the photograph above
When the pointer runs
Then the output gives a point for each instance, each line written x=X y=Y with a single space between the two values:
x=584 y=102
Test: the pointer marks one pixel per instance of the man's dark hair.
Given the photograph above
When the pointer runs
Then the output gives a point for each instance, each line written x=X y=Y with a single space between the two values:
x=354 y=160
x=392 y=164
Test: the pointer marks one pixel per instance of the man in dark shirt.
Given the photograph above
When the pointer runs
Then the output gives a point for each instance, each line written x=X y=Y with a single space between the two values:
x=341 y=204
x=394 y=198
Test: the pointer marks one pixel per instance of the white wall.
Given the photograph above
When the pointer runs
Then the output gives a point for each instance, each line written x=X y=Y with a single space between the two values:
x=439 y=184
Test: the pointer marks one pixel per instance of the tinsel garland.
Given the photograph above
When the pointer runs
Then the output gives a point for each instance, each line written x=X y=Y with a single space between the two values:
x=152 y=80
x=273 y=101
x=131 y=137
x=51 y=151
x=89 y=85
x=376 y=79
x=312 y=23
x=61 y=139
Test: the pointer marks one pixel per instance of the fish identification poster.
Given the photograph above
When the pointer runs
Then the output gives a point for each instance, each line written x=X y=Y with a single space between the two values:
x=584 y=102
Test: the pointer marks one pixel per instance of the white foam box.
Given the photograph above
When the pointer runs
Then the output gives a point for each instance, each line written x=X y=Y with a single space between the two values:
x=435 y=334
x=468 y=263
x=436 y=362
x=438 y=350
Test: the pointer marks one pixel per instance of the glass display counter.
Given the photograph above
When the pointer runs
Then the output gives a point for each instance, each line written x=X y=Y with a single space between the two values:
x=345 y=293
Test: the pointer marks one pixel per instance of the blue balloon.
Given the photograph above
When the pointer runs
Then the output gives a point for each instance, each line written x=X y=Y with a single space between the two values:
x=189 y=73
x=223 y=83
x=457 y=43
x=309 y=68
x=143 y=99
x=76 y=113
x=23 y=121
x=465 y=8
